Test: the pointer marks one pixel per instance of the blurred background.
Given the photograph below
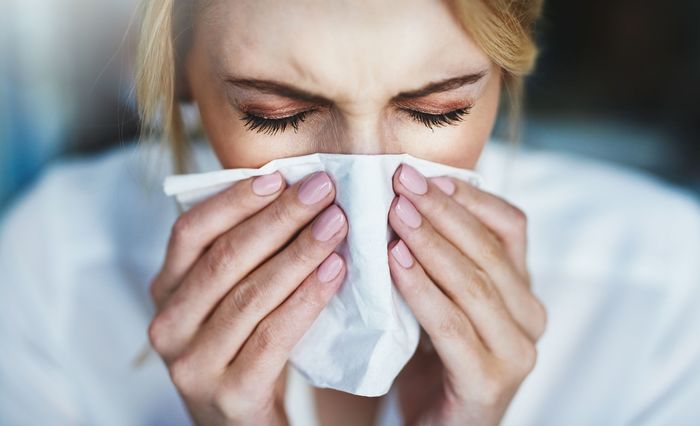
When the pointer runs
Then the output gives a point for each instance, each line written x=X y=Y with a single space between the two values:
x=617 y=80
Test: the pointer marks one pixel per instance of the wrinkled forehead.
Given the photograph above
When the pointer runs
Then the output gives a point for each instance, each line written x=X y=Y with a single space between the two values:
x=344 y=47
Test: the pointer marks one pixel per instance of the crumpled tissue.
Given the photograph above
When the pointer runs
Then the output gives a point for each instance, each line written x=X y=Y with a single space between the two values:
x=366 y=334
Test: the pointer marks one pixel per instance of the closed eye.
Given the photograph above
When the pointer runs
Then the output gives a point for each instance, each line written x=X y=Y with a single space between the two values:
x=271 y=126
x=438 y=120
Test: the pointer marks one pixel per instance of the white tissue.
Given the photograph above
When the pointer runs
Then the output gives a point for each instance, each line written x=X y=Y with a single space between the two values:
x=367 y=333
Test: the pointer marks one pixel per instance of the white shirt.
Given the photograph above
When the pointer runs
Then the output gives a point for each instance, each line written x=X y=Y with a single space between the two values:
x=614 y=255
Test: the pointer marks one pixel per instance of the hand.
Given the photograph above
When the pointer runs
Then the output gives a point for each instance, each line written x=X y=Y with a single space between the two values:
x=240 y=285
x=460 y=264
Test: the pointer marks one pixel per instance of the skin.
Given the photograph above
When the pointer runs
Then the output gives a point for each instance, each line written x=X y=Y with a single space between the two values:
x=239 y=284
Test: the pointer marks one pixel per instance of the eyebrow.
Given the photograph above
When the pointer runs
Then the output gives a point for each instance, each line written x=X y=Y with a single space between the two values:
x=278 y=88
x=288 y=91
x=443 y=85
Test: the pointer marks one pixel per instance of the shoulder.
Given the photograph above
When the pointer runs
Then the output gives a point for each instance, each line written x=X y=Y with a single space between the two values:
x=613 y=255
x=81 y=209
x=77 y=250
x=600 y=218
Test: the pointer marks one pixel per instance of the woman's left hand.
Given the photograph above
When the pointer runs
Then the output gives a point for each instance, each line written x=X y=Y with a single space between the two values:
x=460 y=264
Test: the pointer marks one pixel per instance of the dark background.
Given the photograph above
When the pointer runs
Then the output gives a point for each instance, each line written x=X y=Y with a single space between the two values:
x=620 y=79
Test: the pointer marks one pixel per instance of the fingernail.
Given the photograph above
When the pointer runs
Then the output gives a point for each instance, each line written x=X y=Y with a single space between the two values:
x=328 y=223
x=267 y=184
x=315 y=188
x=330 y=268
x=445 y=184
x=402 y=254
x=412 y=180
x=407 y=212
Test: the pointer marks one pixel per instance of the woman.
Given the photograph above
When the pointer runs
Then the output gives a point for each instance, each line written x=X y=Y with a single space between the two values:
x=246 y=272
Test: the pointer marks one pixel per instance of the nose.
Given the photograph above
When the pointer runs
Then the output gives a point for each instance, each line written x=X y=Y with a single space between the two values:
x=366 y=132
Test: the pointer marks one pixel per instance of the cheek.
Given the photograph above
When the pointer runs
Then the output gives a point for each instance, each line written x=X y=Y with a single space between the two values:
x=233 y=143
x=458 y=146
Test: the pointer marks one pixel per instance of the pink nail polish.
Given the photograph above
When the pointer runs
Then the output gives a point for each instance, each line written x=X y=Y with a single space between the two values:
x=412 y=180
x=445 y=184
x=267 y=184
x=402 y=254
x=328 y=223
x=330 y=268
x=315 y=188
x=407 y=212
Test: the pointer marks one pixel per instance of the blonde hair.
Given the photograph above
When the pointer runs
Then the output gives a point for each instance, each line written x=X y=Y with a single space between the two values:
x=503 y=29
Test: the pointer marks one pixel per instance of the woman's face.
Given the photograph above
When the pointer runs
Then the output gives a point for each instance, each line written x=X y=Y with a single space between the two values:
x=277 y=79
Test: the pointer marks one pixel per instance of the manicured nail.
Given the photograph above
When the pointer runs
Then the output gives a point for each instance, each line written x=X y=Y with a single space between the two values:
x=412 y=180
x=328 y=223
x=267 y=184
x=315 y=188
x=330 y=268
x=445 y=184
x=407 y=212
x=402 y=254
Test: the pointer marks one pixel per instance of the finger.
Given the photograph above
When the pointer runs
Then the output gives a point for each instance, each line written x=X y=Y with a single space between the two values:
x=252 y=299
x=264 y=355
x=451 y=332
x=506 y=221
x=460 y=227
x=466 y=232
x=235 y=254
x=459 y=278
x=197 y=228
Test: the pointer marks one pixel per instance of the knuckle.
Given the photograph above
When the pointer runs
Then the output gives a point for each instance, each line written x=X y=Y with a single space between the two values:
x=222 y=323
x=156 y=334
x=522 y=362
x=477 y=284
x=437 y=206
x=419 y=289
x=425 y=239
x=491 y=390
x=284 y=212
x=237 y=398
x=310 y=301
x=528 y=359
x=226 y=398
x=182 y=229
x=540 y=318
x=245 y=298
x=225 y=404
x=490 y=250
x=267 y=337
x=221 y=257
x=228 y=406
x=154 y=288
x=237 y=192
x=299 y=253
x=518 y=220
x=452 y=326
x=183 y=374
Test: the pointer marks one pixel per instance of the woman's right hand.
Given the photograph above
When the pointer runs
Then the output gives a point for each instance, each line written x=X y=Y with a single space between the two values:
x=240 y=285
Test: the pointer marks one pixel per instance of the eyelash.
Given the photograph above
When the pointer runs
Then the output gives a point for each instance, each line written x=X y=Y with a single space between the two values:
x=271 y=126
x=438 y=120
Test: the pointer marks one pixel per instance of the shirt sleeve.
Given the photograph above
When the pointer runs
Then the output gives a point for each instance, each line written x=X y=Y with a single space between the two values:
x=34 y=383
x=667 y=389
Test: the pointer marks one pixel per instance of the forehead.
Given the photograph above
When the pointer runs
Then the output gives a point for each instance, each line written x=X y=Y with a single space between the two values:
x=342 y=47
